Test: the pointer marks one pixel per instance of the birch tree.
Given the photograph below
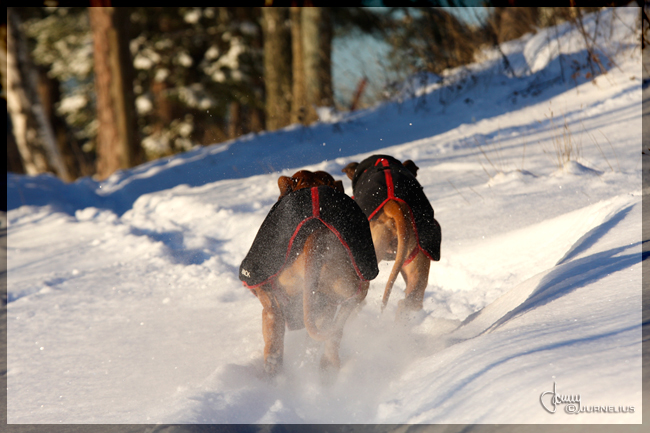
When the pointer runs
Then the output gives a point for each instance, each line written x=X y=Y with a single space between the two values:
x=32 y=132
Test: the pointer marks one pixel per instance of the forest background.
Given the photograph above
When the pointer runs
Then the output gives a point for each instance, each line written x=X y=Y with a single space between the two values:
x=92 y=90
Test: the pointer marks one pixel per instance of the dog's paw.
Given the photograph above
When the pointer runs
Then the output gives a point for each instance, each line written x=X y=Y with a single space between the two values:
x=329 y=371
x=273 y=365
x=409 y=316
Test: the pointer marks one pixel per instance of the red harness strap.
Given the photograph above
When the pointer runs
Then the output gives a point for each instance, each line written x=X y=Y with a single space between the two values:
x=315 y=203
x=390 y=192
x=390 y=188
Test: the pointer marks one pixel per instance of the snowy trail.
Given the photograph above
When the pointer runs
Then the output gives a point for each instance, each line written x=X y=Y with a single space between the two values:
x=367 y=370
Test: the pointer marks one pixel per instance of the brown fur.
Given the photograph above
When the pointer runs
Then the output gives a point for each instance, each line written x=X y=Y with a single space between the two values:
x=394 y=237
x=309 y=290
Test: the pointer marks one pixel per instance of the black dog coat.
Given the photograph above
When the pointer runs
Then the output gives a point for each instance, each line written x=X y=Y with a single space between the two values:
x=380 y=178
x=290 y=222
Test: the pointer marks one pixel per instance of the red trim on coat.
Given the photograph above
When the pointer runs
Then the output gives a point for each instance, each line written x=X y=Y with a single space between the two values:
x=412 y=256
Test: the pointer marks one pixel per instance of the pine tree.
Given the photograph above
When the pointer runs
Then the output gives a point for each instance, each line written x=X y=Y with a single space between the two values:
x=199 y=76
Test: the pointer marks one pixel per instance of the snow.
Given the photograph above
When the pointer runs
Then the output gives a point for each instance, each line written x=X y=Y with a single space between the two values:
x=124 y=305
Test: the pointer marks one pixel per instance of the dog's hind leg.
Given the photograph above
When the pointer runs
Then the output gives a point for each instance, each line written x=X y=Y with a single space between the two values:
x=273 y=325
x=416 y=275
x=330 y=361
x=318 y=313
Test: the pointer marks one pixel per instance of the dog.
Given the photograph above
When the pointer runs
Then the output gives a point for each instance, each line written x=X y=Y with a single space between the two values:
x=313 y=255
x=401 y=222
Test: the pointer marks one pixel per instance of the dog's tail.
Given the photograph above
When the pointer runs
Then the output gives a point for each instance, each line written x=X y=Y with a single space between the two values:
x=395 y=211
x=312 y=299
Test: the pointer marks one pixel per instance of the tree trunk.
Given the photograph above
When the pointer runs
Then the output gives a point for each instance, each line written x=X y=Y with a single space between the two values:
x=277 y=67
x=299 y=96
x=317 y=49
x=33 y=134
x=163 y=109
x=326 y=36
x=76 y=161
x=14 y=162
x=235 y=122
x=257 y=121
x=117 y=143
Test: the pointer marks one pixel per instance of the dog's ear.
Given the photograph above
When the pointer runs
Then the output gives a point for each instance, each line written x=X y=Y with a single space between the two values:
x=410 y=165
x=323 y=177
x=338 y=185
x=286 y=185
x=350 y=169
